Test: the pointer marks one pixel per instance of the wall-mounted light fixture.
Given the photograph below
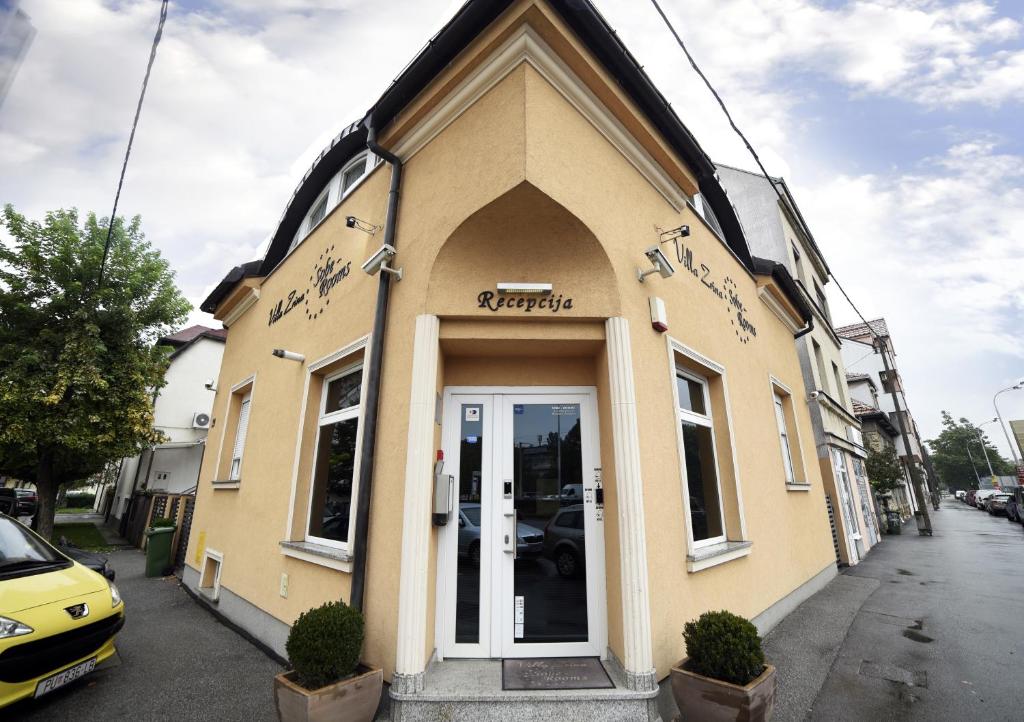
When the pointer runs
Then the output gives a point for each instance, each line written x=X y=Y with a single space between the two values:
x=290 y=355
x=379 y=262
x=660 y=263
x=543 y=289
x=353 y=222
x=670 y=235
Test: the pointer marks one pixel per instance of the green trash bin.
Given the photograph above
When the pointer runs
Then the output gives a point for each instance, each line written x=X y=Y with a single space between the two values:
x=158 y=550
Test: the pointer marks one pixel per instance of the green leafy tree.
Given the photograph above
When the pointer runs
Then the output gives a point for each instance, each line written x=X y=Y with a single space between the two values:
x=952 y=461
x=885 y=472
x=78 y=361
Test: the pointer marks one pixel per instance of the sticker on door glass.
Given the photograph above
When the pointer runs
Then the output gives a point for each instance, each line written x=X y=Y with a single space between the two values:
x=472 y=413
x=520 y=616
x=471 y=439
x=518 y=409
x=564 y=409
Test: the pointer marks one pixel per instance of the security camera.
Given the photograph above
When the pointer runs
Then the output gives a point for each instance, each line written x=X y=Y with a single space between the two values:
x=813 y=396
x=350 y=221
x=209 y=384
x=660 y=263
x=379 y=262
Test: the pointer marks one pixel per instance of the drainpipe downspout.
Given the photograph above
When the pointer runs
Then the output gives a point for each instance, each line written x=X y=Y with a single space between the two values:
x=806 y=329
x=372 y=401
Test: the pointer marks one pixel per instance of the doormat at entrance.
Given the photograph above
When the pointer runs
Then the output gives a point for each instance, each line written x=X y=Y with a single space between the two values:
x=554 y=673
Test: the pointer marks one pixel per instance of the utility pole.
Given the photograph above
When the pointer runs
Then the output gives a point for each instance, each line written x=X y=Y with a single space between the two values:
x=977 y=430
x=974 y=467
x=915 y=472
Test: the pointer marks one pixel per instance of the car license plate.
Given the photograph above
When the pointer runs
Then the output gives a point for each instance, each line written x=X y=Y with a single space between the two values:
x=62 y=678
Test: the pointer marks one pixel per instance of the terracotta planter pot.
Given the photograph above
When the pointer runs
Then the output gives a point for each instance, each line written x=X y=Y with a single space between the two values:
x=351 y=700
x=708 y=700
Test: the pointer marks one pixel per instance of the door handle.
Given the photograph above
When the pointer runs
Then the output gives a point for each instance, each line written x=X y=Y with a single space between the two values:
x=510 y=537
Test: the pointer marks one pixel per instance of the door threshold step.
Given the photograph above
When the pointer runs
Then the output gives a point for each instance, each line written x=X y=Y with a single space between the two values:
x=471 y=690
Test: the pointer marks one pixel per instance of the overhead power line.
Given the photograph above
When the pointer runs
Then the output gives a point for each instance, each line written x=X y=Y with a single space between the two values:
x=877 y=342
x=131 y=136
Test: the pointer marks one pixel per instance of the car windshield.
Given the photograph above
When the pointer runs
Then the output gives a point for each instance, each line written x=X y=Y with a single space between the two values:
x=21 y=549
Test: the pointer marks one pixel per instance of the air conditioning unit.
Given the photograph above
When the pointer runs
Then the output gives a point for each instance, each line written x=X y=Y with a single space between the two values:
x=200 y=420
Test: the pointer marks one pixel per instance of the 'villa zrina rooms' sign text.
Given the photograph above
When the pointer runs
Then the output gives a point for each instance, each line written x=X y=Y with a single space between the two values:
x=552 y=304
x=327 y=273
x=727 y=291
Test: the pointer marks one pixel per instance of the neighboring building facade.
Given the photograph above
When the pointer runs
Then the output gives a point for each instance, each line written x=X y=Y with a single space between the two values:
x=879 y=434
x=860 y=358
x=775 y=229
x=182 y=410
x=624 y=454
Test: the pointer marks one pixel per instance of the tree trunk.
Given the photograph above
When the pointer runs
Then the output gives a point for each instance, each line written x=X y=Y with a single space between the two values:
x=46 y=493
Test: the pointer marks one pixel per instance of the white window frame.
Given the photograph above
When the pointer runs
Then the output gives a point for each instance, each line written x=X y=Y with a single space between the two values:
x=241 y=432
x=324 y=419
x=371 y=163
x=784 y=442
x=706 y=420
x=333 y=195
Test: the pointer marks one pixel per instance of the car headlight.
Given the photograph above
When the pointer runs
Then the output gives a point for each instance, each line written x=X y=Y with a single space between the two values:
x=13 y=628
x=115 y=596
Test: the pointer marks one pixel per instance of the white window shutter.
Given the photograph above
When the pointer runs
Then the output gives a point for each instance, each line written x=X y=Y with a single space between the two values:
x=243 y=427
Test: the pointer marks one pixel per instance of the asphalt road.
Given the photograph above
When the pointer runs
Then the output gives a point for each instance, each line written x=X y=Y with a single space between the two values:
x=940 y=637
x=177 y=662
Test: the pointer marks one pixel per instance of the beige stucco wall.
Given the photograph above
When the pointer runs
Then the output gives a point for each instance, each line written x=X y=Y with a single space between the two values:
x=519 y=187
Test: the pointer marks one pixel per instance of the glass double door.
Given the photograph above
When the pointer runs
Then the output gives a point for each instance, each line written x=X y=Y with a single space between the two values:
x=522 y=559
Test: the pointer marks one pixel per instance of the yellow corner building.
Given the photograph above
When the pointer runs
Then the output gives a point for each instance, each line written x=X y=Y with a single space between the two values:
x=509 y=379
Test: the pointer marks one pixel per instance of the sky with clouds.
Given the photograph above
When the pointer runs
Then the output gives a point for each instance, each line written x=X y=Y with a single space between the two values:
x=897 y=124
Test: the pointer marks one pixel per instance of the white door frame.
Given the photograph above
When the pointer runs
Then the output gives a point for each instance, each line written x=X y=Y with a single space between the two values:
x=496 y=638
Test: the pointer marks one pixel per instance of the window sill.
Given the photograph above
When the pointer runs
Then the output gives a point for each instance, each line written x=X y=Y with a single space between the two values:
x=226 y=484
x=325 y=556
x=712 y=556
x=798 y=486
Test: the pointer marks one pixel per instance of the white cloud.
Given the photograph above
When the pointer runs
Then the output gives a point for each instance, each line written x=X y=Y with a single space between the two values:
x=245 y=93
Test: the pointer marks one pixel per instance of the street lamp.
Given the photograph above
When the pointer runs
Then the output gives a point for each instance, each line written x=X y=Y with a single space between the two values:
x=1016 y=387
x=981 y=441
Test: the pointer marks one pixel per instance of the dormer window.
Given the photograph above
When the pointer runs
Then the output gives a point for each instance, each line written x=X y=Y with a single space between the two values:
x=339 y=187
x=353 y=171
x=317 y=214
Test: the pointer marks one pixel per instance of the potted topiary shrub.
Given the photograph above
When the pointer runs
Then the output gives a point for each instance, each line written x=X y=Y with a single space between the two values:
x=724 y=675
x=326 y=681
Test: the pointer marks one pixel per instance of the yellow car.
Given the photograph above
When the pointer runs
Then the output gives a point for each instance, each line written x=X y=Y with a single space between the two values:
x=57 y=618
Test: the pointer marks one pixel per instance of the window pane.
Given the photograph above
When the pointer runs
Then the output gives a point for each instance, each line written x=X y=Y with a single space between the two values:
x=691 y=395
x=787 y=458
x=471 y=524
x=318 y=213
x=353 y=174
x=702 y=482
x=332 y=480
x=343 y=392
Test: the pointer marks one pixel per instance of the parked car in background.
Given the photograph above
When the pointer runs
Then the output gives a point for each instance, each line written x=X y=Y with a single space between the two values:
x=996 y=504
x=960 y=494
x=27 y=501
x=982 y=496
x=564 y=541
x=8 y=501
x=1015 y=506
x=529 y=540
x=90 y=560
x=969 y=496
x=57 y=618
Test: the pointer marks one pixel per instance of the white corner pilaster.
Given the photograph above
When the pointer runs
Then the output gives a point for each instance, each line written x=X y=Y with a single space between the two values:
x=636 y=611
x=413 y=583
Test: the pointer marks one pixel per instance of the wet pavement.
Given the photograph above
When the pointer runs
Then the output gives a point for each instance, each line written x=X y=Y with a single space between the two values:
x=176 y=662
x=940 y=638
